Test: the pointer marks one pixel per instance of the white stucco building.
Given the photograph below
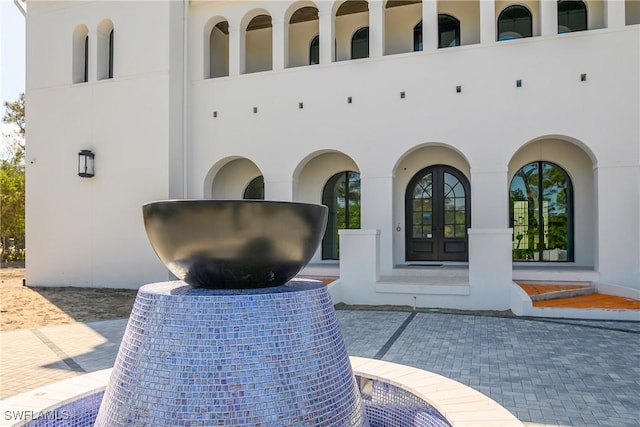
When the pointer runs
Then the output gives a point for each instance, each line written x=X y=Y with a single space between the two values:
x=461 y=144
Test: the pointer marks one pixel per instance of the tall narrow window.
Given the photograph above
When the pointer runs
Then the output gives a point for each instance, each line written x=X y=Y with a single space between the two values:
x=541 y=213
x=341 y=195
x=448 y=31
x=314 y=51
x=111 y=54
x=105 y=50
x=80 y=55
x=85 y=77
x=417 y=37
x=360 y=43
x=514 y=22
x=572 y=16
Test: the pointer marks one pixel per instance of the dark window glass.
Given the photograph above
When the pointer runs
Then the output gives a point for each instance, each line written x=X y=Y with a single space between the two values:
x=86 y=59
x=341 y=195
x=360 y=43
x=314 y=51
x=572 y=16
x=448 y=31
x=417 y=37
x=541 y=213
x=514 y=22
x=111 y=54
x=255 y=189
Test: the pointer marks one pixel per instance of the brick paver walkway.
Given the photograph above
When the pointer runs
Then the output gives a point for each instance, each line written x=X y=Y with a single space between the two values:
x=546 y=372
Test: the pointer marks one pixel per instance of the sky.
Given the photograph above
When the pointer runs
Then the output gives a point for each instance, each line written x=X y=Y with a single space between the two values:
x=12 y=66
x=12 y=52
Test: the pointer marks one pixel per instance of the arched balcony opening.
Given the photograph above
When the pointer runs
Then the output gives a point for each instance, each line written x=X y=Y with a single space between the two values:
x=351 y=16
x=458 y=23
x=259 y=44
x=632 y=12
x=400 y=19
x=515 y=22
x=218 y=63
x=304 y=44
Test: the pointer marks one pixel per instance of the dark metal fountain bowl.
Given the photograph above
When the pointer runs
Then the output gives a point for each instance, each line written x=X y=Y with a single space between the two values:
x=234 y=244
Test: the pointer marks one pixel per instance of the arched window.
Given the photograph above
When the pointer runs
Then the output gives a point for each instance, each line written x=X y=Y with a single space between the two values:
x=80 y=60
x=572 y=16
x=255 y=189
x=360 y=43
x=448 y=31
x=417 y=37
x=105 y=50
x=541 y=213
x=341 y=195
x=314 y=51
x=514 y=22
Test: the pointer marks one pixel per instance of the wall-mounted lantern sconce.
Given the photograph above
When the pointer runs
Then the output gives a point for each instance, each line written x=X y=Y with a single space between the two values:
x=85 y=163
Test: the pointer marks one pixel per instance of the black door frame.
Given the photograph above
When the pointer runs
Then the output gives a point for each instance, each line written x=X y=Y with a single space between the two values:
x=438 y=242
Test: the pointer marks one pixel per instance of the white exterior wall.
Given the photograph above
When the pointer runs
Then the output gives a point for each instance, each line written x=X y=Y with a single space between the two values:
x=88 y=231
x=487 y=131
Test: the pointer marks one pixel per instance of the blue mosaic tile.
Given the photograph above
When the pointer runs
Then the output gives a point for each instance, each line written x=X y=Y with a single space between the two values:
x=262 y=357
x=79 y=413
x=390 y=406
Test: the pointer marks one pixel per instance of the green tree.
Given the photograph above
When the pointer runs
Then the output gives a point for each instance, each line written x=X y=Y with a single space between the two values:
x=12 y=186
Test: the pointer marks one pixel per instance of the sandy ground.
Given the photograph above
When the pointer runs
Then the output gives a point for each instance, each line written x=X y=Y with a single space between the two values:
x=25 y=307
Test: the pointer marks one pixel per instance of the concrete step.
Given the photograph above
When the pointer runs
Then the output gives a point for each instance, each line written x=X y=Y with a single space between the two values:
x=545 y=291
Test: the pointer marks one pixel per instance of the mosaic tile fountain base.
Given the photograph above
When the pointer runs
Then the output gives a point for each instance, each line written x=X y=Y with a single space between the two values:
x=262 y=357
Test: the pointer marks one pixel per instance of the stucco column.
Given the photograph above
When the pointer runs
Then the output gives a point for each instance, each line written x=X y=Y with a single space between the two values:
x=618 y=227
x=376 y=29
x=236 y=51
x=429 y=25
x=359 y=265
x=487 y=21
x=614 y=13
x=490 y=270
x=326 y=35
x=489 y=198
x=376 y=207
x=278 y=188
x=279 y=42
x=548 y=18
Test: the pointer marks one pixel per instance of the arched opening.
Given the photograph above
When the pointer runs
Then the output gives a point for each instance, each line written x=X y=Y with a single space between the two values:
x=632 y=12
x=341 y=194
x=572 y=16
x=255 y=189
x=234 y=178
x=541 y=213
x=105 y=50
x=304 y=43
x=80 y=60
x=514 y=22
x=448 y=31
x=400 y=18
x=351 y=17
x=258 y=44
x=360 y=43
x=219 y=50
x=438 y=214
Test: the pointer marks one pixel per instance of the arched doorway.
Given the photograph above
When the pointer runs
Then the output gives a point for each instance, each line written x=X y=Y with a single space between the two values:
x=438 y=214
